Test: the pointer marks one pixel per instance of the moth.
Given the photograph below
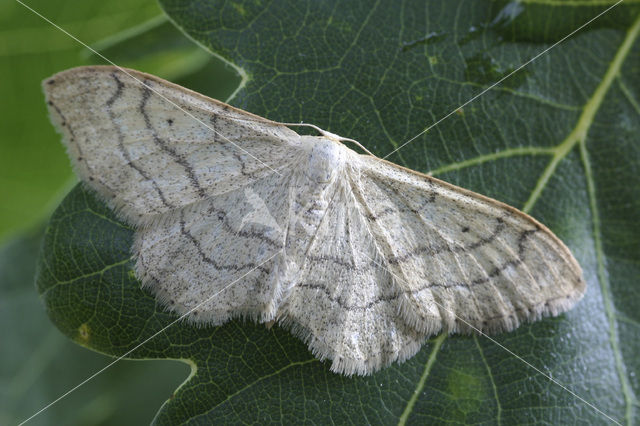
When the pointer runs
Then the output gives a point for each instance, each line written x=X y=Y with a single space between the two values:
x=239 y=216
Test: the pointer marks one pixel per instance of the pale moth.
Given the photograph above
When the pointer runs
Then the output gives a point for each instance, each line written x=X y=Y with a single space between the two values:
x=239 y=216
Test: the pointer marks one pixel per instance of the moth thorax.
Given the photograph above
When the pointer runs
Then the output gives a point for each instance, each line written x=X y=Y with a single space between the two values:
x=326 y=159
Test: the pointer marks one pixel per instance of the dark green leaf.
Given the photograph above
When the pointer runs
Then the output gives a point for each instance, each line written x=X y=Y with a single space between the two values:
x=157 y=46
x=33 y=165
x=39 y=364
x=558 y=139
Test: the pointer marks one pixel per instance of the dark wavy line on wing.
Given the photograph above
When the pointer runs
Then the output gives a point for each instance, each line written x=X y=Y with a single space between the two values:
x=480 y=281
x=178 y=158
x=232 y=267
x=389 y=210
x=429 y=250
x=119 y=86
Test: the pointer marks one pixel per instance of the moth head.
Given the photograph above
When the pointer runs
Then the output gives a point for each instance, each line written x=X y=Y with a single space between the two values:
x=326 y=157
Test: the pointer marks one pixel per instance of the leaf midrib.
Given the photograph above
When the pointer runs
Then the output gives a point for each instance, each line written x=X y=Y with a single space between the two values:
x=423 y=379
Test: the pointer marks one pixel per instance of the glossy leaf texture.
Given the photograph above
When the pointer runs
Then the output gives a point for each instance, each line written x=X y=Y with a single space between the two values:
x=557 y=139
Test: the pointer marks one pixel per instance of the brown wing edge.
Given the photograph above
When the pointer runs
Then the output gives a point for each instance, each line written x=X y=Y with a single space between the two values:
x=140 y=77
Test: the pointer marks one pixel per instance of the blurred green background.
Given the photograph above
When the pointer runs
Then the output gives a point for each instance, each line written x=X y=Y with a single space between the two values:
x=38 y=363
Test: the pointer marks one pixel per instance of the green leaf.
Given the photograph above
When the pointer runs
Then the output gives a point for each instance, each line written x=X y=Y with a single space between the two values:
x=33 y=166
x=157 y=46
x=39 y=364
x=558 y=139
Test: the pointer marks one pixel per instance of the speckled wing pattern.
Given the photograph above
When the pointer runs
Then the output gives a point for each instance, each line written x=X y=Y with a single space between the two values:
x=128 y=140
x=237 y=215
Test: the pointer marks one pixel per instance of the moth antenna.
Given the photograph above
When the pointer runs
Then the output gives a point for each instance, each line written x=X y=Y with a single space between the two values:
x=331 y=136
